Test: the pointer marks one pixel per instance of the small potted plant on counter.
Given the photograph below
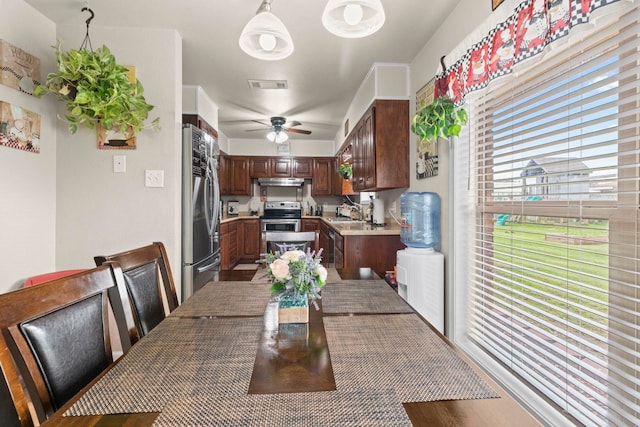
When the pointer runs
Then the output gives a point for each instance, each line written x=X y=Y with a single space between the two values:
x=96 y=89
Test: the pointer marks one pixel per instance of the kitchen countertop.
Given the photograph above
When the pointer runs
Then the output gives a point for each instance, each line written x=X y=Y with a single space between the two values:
x=344 y=228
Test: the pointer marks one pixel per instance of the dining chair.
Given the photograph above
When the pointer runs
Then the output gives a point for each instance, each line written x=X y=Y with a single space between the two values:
x=58 y=335
x=148 y=285
x=14 y=409
x=280 y=241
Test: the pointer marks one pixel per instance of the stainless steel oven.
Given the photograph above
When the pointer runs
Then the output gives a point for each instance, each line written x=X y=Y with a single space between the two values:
x=280 y=224
x=281 y=217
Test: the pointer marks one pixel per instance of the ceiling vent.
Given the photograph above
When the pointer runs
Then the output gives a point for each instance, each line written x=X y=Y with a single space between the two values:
x=268 y=84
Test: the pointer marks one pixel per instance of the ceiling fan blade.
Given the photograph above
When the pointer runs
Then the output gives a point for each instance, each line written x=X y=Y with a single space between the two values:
x=291 y=124
x=262 y=123
x=305 y=132
x=256 y=130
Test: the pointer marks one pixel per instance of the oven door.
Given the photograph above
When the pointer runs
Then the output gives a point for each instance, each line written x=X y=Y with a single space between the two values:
x=280 y=224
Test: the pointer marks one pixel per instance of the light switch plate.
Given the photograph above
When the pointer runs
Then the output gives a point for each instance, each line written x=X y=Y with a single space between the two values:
x=154 y=178
x=119 y=163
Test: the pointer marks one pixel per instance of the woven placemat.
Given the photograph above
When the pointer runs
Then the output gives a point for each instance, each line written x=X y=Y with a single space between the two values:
x=181 y=357
x=226 y=299
x=399 y=352
x=362 y=296
x=333 y=408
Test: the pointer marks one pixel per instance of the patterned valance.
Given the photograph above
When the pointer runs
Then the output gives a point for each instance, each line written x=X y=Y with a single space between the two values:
x=533 y=25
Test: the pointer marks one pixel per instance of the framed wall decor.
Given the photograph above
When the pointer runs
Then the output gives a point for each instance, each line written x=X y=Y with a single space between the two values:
x=495 y=3
x=18 y=69
x=424 y=95
x=19 y=128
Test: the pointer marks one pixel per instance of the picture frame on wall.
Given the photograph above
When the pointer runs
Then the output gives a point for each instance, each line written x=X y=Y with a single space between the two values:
x=18 y=69
x=427 y=153
x=495 y=4
x=19 y=128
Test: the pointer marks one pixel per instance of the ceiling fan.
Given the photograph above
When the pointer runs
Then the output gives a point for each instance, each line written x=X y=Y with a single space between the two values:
x=279 y=128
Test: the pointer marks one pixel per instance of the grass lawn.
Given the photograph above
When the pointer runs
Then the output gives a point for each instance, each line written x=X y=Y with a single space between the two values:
x=547 y=273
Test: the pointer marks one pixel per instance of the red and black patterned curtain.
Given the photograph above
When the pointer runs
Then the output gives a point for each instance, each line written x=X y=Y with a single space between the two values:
x=533 y=25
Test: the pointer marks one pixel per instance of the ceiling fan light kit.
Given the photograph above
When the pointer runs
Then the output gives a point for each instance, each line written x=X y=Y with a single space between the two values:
x=353 y=18
x=265 y=36
x=278 y=136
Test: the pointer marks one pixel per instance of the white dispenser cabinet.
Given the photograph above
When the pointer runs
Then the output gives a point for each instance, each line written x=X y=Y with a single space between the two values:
x=420 y=277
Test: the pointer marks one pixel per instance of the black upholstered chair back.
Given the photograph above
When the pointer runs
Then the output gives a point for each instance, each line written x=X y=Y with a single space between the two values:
x=58 y=334
x=148 y=285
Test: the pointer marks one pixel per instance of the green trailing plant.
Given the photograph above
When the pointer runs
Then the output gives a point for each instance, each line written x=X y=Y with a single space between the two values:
x=440 y=119
x=96 y=89
x=345 y=170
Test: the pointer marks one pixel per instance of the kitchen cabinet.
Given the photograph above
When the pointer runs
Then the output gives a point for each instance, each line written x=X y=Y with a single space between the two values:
x=326 y=243
x=280 y=167
x=260 y=167
x=302 y=167
x=223 y=173
x=322 y=173
x=249 y=240
x=239 y=178
x=310 y=224
x=338 y=250
x=375 y=251
x=380 y=143
x=200 y=123
x=228 y=245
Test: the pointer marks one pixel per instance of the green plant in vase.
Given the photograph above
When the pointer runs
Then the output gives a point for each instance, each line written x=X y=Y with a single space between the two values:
x=440 y=119
x=96 y=89
x=345 y=170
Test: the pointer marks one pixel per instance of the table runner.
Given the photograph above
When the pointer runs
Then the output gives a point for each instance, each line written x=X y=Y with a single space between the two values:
x=226 y=299
x=399 y=352
x=362 y=296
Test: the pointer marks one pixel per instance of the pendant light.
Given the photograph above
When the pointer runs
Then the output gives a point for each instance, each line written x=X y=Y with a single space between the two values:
x=353 y=18
x=265 y=36
x=277 y=136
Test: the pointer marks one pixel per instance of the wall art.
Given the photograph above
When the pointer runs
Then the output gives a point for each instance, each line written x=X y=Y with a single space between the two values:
x=18 y=69
x=495 y=3
x=19 y=128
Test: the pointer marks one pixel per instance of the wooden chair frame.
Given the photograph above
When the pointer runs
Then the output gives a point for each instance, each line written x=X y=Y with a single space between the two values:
x=28 y=304
x=132 y=259
x=13 y=380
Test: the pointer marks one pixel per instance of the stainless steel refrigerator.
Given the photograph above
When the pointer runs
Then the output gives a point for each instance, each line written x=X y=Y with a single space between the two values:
x=200 y=209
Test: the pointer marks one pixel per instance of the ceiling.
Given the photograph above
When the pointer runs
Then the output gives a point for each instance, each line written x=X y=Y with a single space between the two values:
x=323 y=73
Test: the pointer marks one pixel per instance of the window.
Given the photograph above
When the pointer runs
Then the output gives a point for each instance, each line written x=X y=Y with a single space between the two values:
x=547 y=225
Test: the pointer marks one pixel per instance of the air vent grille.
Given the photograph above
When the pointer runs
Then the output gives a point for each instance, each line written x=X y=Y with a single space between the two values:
x=268 y=84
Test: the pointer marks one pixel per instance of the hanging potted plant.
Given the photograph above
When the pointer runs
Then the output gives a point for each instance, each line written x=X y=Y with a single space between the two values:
x=440 y=119
x=96 y=89
x=345 y=170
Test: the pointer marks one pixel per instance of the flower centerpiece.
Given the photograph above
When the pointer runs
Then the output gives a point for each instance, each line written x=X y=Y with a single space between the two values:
x=297 y=277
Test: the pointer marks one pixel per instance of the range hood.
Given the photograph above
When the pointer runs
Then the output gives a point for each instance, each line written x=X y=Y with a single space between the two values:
x=281 y=182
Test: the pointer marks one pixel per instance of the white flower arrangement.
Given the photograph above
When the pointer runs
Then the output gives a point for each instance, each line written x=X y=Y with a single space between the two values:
x=296 y=272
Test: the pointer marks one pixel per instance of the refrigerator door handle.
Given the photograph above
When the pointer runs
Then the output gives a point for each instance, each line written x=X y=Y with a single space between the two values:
x=210 y=266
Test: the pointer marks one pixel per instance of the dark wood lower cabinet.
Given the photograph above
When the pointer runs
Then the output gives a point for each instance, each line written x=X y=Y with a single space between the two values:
x=249 y=240
x=375 y=251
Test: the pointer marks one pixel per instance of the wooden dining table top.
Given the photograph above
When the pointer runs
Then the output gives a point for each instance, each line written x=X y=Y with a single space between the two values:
x=364 y=358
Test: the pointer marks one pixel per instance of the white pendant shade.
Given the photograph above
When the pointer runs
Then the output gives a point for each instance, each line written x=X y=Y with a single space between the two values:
x=353 y=18
x=278 y=137
x=265 y=36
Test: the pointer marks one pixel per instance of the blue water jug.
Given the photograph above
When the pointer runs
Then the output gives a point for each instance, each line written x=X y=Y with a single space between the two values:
x=420 y=223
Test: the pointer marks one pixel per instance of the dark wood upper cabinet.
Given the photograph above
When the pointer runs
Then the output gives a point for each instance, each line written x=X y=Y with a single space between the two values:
x=280 y=167
x=322 y=174
x=302 y=167
x=200 y=123
x=239 y=179
x=380 y=142
x=223 y=173
x=260 y=167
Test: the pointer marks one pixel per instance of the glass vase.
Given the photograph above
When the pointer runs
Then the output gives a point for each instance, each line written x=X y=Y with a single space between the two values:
x=293 y=308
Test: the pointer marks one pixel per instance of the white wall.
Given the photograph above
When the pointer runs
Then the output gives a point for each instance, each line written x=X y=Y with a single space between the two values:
x=28 y=180
x=101 y=212
x=262 y=147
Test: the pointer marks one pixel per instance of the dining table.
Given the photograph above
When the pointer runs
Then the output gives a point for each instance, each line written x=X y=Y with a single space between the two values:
x=364 y=358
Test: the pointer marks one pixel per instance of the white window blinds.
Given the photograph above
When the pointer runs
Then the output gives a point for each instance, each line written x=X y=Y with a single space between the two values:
x=547 y=224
